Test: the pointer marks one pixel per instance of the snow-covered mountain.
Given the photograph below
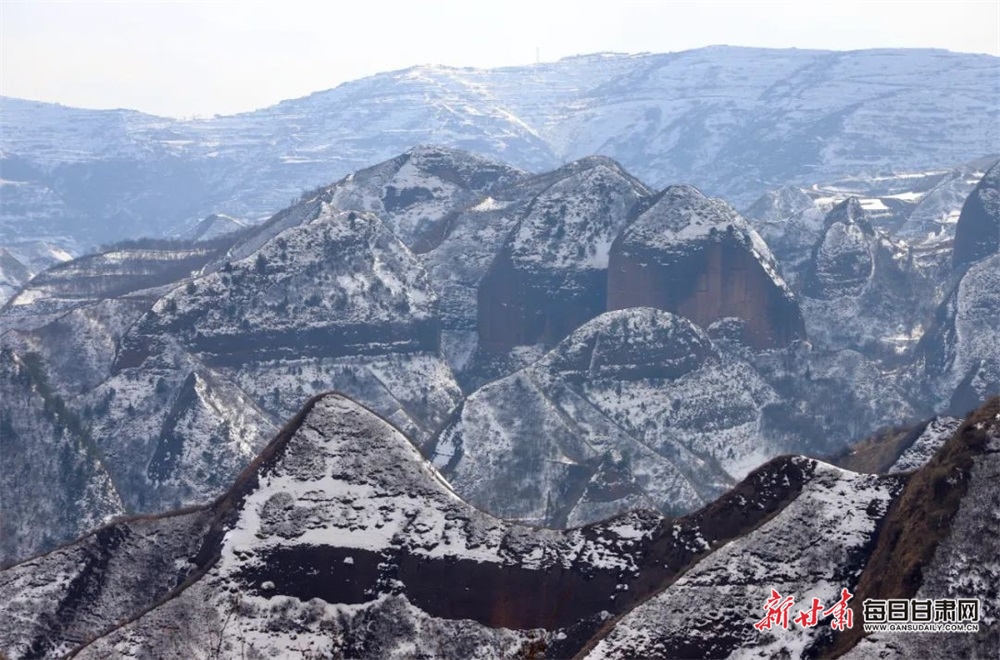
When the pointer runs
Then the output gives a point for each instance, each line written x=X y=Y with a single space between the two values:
x=732 y=121
x=636 y=408
x=340 y=539
x=180 y=358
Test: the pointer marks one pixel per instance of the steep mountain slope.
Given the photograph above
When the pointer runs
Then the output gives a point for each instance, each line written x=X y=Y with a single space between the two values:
x=635 y=408
x=813 y=548
x=693 y=255
x=50 y=466
x=336 y=541
x=958 y=359
x=941 y=541
x=878 y=537
x=181 y=383
x=733 y=121
x=342 y=495
x=977 y=234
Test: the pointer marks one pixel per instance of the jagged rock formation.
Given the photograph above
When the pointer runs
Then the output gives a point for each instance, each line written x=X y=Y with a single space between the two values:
x=336 y=541
x=977 y=234
x=918 y=208
x=843 y=260
x=860 y=289
x=695 y=256
x=181 y=383
x=636 y=408
x=550 y=276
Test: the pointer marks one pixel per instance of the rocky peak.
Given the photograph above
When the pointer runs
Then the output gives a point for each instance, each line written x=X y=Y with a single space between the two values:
x=551 y=274
x=615 y=416
x=416 y=192
x=844 y=257
x=338 y=518
x=779 y=204
x=632 y=343
x=977 y=234
x=694 y=255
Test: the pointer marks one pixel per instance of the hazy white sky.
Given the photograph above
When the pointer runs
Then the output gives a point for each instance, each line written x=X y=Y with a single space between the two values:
x=180 y=58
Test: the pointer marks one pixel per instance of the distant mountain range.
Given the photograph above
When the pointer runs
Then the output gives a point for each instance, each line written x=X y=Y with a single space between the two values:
x=734 y=122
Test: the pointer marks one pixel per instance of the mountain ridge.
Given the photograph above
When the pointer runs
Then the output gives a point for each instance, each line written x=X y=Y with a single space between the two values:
x=212 y=543
x=669 y=125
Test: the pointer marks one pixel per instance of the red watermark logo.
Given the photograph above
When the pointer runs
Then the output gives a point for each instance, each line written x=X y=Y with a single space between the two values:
x=777 y=607
x=890 y=615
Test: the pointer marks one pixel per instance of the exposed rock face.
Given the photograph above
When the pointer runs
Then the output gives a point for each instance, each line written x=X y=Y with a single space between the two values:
x=843 y=259
x=323 y=289
x=340 y=540
x=861 y=290
x=341 y=507
x=418 y=192
x=182 y=383
x=635 y=408
x=697 y=257
x=550 y=277
x=960 y=354
x=978 y=232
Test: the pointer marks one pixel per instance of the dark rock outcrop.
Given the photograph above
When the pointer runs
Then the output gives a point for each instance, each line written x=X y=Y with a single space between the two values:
x=695 y=256
x=550 y=277
x=977 y=234
x=339 y=538
x=340 y=507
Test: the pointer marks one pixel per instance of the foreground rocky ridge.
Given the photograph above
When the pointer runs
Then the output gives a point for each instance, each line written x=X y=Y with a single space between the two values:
x=335 y=539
